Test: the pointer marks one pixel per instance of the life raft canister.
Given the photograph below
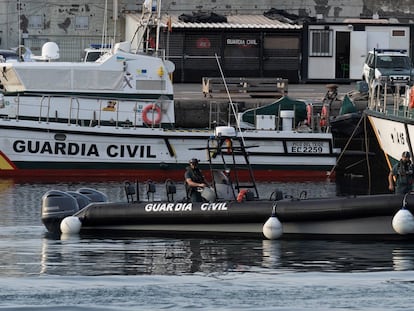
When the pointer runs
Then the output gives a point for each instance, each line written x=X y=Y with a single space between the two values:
x=324 y=116
x=154 y=109
x=242 y=195
x=411 y=98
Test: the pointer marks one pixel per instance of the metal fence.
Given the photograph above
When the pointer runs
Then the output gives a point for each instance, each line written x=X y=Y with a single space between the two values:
x=71 y=48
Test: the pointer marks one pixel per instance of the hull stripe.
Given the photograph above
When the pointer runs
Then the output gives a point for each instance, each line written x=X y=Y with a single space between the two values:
x=5 y=163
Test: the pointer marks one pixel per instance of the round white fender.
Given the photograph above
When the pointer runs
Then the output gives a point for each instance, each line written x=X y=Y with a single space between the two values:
x=403 y=222
x=70 y=225
x=272 y=229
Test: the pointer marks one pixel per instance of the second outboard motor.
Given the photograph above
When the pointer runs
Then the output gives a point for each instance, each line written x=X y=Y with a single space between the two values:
x=82 y=199
x=93 y=194
x=56 y=205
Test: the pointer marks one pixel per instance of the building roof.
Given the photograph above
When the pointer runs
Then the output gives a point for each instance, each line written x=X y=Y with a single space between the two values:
x=366 y=21
x=233 y=22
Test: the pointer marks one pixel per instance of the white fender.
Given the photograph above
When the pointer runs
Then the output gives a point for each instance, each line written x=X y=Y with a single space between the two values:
x=272 y=229
x=70 y=225
x=403 y=222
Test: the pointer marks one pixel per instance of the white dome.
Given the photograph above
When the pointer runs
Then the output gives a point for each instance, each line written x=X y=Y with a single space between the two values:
x=50 y=51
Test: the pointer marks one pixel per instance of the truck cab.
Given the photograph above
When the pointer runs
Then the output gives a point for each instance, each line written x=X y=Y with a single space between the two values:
x=393 y=65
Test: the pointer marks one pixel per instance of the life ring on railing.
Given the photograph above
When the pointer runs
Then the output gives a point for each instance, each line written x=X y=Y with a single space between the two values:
x=242 y=195
x=309 y=112
x=154 y=108
x=411 y=98
x=324 y=116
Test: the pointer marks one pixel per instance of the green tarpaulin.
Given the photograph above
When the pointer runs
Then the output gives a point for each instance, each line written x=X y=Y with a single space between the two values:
x=284 y=103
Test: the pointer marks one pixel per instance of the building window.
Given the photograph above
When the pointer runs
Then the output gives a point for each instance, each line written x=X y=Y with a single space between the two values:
x=81 y=23
x=35 y=22
x=320 y=42
x=398 y=33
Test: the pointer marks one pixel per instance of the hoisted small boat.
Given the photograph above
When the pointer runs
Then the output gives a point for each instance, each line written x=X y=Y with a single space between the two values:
x=230 y=207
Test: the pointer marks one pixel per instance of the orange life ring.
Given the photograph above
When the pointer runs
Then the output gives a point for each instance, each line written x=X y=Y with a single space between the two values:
x=148 y=108
x=241 y=195
x=324 y=116
x=411 y=102
x=309 y=112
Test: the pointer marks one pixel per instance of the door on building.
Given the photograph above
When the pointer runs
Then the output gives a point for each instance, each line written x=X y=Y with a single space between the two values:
x=342 y=56
x=199 y=58
x=281 y=56
x=358 y=53
x=242 y=54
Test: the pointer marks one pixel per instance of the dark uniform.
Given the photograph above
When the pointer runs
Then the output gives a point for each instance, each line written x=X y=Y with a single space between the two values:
x=194 y=173
x=404 y=173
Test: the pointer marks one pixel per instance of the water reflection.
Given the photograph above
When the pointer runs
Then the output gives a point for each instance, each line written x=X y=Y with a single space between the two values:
x=160 y=256
x=271 y=252
x=402 y=258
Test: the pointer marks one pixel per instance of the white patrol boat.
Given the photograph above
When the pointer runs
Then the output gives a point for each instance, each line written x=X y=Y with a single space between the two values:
x=390 y=112
x=114 y=118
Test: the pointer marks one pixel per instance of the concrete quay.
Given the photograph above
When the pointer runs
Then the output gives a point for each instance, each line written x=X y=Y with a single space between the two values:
x=191 y=91
x=193 y=109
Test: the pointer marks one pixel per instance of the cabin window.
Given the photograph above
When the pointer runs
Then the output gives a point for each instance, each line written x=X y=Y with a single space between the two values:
x=320 y=42
x=81 y=23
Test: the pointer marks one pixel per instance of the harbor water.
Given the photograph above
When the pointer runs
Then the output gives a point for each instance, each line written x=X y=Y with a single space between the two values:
x=39 y=271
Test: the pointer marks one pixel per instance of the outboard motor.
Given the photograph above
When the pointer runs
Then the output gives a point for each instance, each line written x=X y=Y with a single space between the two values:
x=93 y=194
x=56 y=205
x=82 y=199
